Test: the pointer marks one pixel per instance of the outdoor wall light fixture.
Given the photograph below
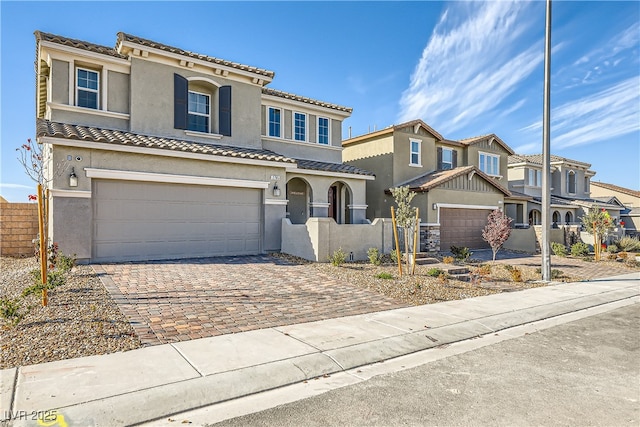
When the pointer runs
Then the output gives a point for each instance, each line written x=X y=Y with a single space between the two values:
x=276 y=189
x=435 y=206
x=73 y=178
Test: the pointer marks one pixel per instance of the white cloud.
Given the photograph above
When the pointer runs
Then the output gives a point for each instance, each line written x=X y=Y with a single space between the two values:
x=469 y=67
x=16 y=186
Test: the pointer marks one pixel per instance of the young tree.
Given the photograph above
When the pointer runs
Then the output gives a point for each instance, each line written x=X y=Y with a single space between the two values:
x=597 y=222
x=497 y=230
x=405 y=214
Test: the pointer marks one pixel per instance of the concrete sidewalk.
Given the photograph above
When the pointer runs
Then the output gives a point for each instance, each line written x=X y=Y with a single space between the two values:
x=155 y=382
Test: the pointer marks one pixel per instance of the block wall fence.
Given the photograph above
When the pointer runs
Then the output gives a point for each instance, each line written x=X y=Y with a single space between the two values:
x=18 y=228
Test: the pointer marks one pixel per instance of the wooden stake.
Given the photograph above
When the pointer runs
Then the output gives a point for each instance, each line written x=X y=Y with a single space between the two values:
x=43 y=246
x=416 y=234
x=395 y=235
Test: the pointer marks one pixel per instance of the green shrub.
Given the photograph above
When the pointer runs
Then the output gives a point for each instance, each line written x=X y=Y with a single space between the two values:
x=579 y=249
x=374 y=256
x=394 y=256
x=384 y=275
x=510 y=267
x=556 y=274
x=629 y=244
x=613 y=248
x=484 y=270
x=55 y=278
x=338 y=257
x=434 y=272
x=11 y=310
x=559 y=249
x=65 y=263
x=460 y=253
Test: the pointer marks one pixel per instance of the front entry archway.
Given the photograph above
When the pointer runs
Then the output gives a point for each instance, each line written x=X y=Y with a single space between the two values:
x=299 y=195
x=339 y=198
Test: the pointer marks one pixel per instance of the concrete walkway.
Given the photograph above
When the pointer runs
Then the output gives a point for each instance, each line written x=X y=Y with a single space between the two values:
x=156 y=382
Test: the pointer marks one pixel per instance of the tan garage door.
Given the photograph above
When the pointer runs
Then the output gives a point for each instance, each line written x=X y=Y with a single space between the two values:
x=147 y=221
x=462 y=227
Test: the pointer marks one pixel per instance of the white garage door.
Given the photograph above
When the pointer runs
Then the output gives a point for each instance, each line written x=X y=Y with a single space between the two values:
x=147 y=221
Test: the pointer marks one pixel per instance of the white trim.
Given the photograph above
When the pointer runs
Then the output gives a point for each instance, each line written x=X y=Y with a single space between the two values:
x=306 y=144
x=204 y=79
x=319 y=204
x=67 y=53
x=276 y=201
x=76 y=71
x=480 y=153
x=293 y=104
x=293 y=126
x=160 y=152
x=195 y=113
x=174 y=179
x=430 y=224
x=215 y=136
x=456 y=206
x=357 y=206
x=78 y=194
x=76 y=109
x=301 y=171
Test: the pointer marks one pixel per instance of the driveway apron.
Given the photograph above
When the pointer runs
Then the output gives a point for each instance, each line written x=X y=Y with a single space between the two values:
x=179 y=300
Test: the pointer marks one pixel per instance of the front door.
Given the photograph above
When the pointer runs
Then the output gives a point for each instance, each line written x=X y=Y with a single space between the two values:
x=332 y=197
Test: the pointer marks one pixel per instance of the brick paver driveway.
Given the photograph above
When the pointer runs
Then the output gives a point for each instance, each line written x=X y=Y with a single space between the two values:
x=169 y=301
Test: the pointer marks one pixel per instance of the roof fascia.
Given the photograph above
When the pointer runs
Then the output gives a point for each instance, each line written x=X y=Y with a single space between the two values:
x=277 y=101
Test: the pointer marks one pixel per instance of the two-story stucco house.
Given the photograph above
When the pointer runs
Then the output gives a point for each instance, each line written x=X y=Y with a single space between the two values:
x=166 y=153
x=570 y=189
x=615 y=194
x=458 y=183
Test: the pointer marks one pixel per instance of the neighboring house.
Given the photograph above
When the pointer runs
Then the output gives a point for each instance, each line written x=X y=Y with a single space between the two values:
x=177 y=154
x=570 y=190
x=628 y=198
x=458 y=183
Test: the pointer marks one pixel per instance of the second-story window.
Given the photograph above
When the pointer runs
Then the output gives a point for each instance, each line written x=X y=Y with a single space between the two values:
x=571 y=182
x=535 y=178
x=323 y=130
x=489 y=164
x=198 y=112
x=275 y=122
x=87 y=88
x=447 y=158
x=415 y=155
x=299 y=126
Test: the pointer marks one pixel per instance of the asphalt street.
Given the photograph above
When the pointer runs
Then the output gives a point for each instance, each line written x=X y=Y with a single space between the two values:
x=582 y=373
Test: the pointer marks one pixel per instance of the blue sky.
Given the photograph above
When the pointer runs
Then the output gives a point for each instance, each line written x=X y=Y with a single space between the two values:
x=465 y=68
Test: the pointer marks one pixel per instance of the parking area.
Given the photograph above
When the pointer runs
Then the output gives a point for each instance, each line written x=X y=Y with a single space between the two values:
x=170 y=301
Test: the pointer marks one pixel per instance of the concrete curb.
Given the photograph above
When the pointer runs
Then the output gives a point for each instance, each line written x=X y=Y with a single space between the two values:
x=312 y=355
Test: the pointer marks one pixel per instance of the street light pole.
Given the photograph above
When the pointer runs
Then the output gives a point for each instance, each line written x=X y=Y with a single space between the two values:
x=546 y=156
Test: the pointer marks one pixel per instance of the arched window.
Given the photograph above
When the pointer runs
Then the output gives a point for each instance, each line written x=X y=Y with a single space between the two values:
x=556 y=217
x=571 y=182
x=535 y=217
x=568 y=218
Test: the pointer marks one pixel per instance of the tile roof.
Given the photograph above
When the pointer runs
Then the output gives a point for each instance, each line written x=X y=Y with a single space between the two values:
x=616 y=188
x=433 y=179
x=477 y=139
x=537 y=159
x=285 y=95
x=124 y=37
x=332 y=167
x=588 y=202
x=78 y=44
x=124 y=138
x=393 y=128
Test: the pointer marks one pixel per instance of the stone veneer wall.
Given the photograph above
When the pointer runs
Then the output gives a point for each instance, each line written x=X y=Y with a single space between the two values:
x=429 y=238
x=18 y=228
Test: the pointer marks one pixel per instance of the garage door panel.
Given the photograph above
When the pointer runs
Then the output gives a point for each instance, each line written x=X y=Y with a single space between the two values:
x=462 y=227
x=140 y=220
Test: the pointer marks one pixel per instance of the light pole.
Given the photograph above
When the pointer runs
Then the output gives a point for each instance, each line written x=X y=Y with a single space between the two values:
x=546 y=156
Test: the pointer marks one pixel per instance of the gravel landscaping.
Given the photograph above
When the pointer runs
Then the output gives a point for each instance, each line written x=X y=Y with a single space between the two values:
x=82 y=319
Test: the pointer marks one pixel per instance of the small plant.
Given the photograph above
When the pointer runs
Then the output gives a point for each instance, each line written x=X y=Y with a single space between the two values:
x=394 y=256
x=384 y=275
x=516 y=274
x=447 y=260
x=611 y=256
x=510 y=267
x=374 y=256
x=434 y=272
x=556 y=274
x=623 y=255
x=579 y=249
x=338 y=257
x=613 y=248
x=559 y=249
x=460 y=253
x=484 y=270
x=629 y=244
x=443 y=278
x=55 y=278
x=65 y=263
x=11 y=310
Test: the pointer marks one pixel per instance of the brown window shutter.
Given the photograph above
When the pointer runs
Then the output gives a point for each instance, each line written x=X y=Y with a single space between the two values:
x=439 y=167
x=454 y=159
x=224 y=110
x=180 y=101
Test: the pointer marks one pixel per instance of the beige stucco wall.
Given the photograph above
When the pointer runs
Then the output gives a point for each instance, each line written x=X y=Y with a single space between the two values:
x=402 y=169
x=473 y=156
x=152 y=101
x=320 y=237
x=118 y=92
x=59 y=82
x=523 y=240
